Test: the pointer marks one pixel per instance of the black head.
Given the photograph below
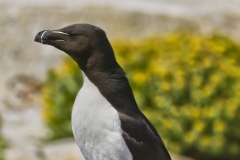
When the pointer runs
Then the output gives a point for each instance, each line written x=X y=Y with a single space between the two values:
x=85 y=43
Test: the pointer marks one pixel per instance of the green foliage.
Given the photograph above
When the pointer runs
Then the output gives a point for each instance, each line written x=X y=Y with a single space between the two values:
x=58 y=96
x=187 y=84
x=2 y=147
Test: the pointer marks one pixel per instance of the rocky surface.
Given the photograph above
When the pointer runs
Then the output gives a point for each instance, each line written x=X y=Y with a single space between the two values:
x=23 y=63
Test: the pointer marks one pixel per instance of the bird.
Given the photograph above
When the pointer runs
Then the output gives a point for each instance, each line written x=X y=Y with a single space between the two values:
x=106 y=121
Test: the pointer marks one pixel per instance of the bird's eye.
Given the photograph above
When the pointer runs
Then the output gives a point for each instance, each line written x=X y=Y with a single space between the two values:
x=75 y=35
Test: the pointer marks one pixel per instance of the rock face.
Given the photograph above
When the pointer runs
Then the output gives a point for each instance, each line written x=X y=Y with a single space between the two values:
x=23 y=63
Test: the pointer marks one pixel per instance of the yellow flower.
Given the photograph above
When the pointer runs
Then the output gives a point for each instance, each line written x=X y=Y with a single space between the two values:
x=207 y=62
x=179 y=79
x=219 y=126
x=140 y=78
x=196 y=94
x=168 y=123
x=165 y=85
x=208 y=112
x=207 y=90
x=195 y=112
x=197 y=81
x=215 y=78
x=158 y=70
x=198 y=126
x=189 y=137
x=205 y=140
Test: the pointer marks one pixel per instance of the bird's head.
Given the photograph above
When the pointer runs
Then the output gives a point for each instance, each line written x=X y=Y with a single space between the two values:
x=85 y=43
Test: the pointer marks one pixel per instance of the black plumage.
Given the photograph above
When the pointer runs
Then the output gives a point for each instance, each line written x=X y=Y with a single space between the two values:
x=89 y=47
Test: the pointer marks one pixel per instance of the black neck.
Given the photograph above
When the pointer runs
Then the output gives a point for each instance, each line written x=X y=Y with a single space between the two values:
x=114 y=86
x=102 y=69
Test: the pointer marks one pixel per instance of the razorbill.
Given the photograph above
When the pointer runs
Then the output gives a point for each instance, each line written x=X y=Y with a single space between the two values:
x=106 y=121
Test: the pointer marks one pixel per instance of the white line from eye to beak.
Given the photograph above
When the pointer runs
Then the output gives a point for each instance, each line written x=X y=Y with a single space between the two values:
x=60 y=32
x=42 y=36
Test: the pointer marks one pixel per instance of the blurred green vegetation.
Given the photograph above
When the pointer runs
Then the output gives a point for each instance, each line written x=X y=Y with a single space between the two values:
x=3 y=142
x=58 y=94
x=2 y=147
x=187 y=84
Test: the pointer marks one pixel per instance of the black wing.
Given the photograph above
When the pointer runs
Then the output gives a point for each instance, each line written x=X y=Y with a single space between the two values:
x=141 y=140
x=141 y=137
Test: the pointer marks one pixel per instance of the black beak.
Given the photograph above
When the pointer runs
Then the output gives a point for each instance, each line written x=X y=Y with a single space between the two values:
x=47 y=36
x=40 y=36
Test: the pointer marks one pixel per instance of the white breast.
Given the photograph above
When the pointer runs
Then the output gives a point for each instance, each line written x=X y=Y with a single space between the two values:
x=97 y=127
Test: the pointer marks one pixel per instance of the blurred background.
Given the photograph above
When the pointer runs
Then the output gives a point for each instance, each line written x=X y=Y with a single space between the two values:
x=182 y=58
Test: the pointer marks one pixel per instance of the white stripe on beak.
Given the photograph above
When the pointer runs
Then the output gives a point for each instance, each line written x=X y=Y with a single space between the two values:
x=60 y=32
x=43 y=35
